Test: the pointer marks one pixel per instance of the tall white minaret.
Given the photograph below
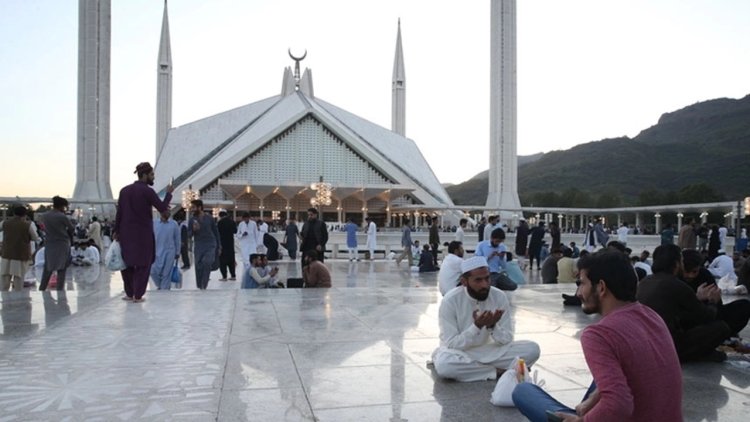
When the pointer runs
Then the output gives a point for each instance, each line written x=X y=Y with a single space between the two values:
x=398 y=89
x=92 y=161
x=163 y=85
x=503 y=183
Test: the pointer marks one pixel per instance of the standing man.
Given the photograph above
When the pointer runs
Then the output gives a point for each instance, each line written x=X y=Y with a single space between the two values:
x=247 y=233
x=476 y=331
x=522 y=242
x=554 y=233
x=601 y=237
x=18 y=234
x=95 y=234
x=205 y=242
x=134 y=229
x=480 y=229
x=702 y=233
x=406 y=243
x=261 y=234
x=637 y=376
x=372 y=233
x=622 y=234
x=314 y=236
x=351 y=240
x=460 y=230
x=491 y=222
x=168 y=242
x=184 y=239
x=227 y=228
x=535 y=246
x=687 y=236
x=434 y=239
x=57 y=242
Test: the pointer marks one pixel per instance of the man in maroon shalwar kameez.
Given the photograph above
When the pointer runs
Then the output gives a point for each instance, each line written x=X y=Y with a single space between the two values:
x=134 y=229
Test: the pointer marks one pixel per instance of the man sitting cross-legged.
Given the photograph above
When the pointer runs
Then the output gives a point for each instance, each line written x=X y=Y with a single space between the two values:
x=637 y=375
x=476 y=333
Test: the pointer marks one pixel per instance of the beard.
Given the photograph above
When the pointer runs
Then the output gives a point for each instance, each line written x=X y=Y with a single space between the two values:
x=592 y=305
x=480 y=295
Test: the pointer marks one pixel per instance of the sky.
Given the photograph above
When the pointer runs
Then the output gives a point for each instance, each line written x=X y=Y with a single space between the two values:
x=587 y=70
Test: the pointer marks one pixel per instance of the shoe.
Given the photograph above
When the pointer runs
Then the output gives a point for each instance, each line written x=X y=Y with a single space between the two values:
x=185 y=267
x=143 y=299
x=280 y=285
x=222 y=279
x=232 y=278
x=127 y=298
x=569 y=300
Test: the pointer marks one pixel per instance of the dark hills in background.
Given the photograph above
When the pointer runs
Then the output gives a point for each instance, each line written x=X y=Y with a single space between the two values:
x=700 y=153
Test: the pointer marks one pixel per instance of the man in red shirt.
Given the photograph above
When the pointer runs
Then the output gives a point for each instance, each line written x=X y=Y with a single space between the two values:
x=637 y=375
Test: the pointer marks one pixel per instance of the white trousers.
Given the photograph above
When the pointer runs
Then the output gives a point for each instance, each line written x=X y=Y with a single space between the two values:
x=456 y=365
x=353 y=253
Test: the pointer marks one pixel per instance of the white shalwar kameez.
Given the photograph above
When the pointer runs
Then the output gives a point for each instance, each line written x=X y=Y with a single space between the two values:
x=468 y=353
x=372 y=240
x=247 y=234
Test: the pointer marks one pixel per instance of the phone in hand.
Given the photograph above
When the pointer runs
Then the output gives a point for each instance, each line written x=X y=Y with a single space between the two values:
x=552 y=417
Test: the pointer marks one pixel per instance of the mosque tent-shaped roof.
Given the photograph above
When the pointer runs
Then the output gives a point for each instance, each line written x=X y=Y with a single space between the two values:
x=282 y=144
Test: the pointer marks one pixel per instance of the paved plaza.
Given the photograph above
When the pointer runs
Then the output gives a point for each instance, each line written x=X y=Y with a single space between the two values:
x=355 y=352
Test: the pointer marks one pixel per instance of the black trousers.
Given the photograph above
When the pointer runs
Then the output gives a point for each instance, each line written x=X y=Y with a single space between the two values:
x=227 y=261
x=735 y=314
x=435 y=252
x=185 y=255
x=701 y=340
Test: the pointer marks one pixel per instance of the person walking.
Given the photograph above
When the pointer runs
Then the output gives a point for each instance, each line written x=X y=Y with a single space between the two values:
x=17 y=238
x=167 y=236
x=291 y=233
x=60 y=231
x=227 y=228
x=372 y=240
x=134 y=229
x=205 y=242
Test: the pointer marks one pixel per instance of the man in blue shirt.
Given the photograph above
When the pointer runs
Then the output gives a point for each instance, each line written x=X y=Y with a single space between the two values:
x=351 y=240
x=494 y=250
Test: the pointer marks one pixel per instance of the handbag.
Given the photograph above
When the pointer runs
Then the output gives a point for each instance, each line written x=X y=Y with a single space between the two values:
x=176 y=274
x=113 y=260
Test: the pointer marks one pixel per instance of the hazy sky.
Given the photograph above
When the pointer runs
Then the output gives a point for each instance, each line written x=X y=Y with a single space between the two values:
x=587 y=70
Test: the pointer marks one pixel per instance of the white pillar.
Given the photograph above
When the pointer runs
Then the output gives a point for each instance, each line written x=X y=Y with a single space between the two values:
x=657 y=217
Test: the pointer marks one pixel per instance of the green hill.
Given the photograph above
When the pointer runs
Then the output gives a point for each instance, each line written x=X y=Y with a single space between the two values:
x=696 y=154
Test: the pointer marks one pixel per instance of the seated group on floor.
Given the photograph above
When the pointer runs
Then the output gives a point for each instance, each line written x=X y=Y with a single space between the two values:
x=674 y=315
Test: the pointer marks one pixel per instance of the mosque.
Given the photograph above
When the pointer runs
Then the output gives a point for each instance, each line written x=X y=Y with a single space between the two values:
x=278 y=156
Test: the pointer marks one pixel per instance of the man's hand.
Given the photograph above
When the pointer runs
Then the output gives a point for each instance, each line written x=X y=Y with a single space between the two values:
x=707 y=292
x=487 y=318
x=588 y=404
x=274 y=271
x=170 y=188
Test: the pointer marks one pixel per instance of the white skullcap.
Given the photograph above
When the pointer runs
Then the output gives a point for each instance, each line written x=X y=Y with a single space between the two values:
x=473 y=263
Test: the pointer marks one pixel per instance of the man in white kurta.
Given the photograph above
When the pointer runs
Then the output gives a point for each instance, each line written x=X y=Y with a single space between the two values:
x=262 y=230
x=372 y=231
x=247 y=234
x=476 y=332
x=450 y=270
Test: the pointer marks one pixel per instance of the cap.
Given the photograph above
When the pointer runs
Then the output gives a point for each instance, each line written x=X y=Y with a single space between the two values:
x=473 y=263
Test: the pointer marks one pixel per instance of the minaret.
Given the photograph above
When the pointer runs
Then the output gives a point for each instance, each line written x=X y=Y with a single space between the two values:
x=163 y=85
x=398 y=89
x=503 y=183
x=92 y=161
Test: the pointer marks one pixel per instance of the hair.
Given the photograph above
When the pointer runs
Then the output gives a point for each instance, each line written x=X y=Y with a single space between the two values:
x=567 y=252
x=312 y=254
x=59 y=202
x=462 y=221
x=313 y=210
x=223 y=214
x=691 y=259
x=628 y=251
x=143 y=168
x=498 y=233
x=665 y=258
x=614 y=269
x=253 y=256
x=556 y=249
x=245 y=214
x=416 y=242
x=541 y=224
x=426 y=247
x=583 y=253
x=616 y=245
x=572 y=243
x=19 y=210
x=641 y=273
x=197 y=203
x=94 y=218
x=454 y=246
